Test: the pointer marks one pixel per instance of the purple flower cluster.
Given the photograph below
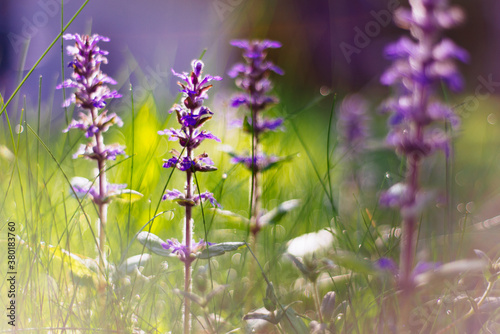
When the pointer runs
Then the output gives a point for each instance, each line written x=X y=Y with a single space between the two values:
x=418 y=65
x=185 y=254
x=191 y=115
x=253 y=78
x=91 y=94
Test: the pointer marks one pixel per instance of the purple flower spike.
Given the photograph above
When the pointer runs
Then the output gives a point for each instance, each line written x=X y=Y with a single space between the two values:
x=253 y=76
x=90 y=82
x=91 y=94
x=419 y=66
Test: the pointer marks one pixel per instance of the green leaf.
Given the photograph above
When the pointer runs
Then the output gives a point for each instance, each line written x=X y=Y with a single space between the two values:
x=232 y=220
x=71 y=265
x=247 y=127
x=276 y=214
x=299 y=265
x=353 y=262
x=153 y=243
x=184 y=202
x=292 y=322
x=194 y=297
x=126 y=195
x=219 y=249
x=134 y=262
x=270 y=299
x=214 y=293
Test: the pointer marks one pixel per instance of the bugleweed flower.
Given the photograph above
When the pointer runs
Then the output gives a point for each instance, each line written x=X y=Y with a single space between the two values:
x=252 y=77
x=420 y=64
x=191 y=115
x=91 y=95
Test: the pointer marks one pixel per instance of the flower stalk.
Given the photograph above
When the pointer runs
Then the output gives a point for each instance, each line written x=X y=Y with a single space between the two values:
x=191 y=115
x=91 y=95
x=252 y=77
x=417 y=117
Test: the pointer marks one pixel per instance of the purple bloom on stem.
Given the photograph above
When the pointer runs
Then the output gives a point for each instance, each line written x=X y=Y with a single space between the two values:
x=193 y=141
x=353 y=122
x=260 y=162
x=253 y=76
x=181 y=250
x=110 y=152
x=170 y=163
x=419 y=65
x=206 y=196
x=87 y=76
x=173 y=194
x=84 y=187
x=387 y=264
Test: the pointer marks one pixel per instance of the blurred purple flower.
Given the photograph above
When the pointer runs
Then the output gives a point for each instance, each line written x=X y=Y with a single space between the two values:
x=84 y=187
x=252 y=77
x=419 y=65
x=110 y=152
x=353 y=122
x=263 y=125
x=387 y=264
x=260 y=162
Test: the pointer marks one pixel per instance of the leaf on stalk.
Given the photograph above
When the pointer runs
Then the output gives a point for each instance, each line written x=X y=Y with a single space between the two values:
x=276 y=214
x=153 y=243
x=72 y=265
x=219 y=249
x=232 y=220
x=134 y=262
x=192 y=296
x=353 y=262
x=127 y=195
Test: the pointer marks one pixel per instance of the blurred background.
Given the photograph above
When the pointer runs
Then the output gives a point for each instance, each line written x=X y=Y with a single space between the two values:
x=337 y=44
